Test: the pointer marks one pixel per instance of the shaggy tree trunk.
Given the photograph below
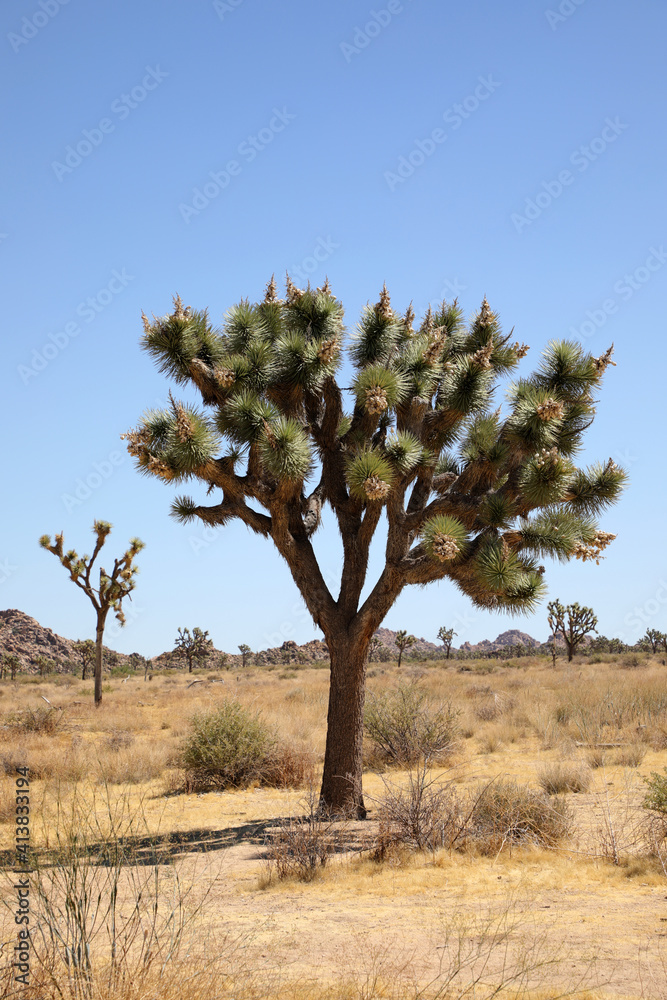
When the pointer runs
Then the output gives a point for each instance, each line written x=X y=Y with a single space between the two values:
x=341 y=781
x=99 y=637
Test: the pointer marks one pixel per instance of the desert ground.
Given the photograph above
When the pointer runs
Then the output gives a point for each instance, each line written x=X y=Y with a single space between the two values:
x=222 y=891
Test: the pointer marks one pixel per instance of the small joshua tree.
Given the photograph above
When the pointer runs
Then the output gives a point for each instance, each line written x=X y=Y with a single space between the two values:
x=580 y=621
x=245 y=653
x=403 y=641
x=85 y=651
x=195 y=646
x=108 y=595
x=410 y=441
x=445 y=635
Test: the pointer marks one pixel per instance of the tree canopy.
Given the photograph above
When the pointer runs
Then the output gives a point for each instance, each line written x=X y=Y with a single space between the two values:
x=472 y=491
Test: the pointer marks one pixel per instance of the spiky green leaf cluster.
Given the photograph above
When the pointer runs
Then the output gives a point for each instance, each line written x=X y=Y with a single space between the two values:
x=285 y=449
x=405 y=451
x=369 y=475
x=445 y=538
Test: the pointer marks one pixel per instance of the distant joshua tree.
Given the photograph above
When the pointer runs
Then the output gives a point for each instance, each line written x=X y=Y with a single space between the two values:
x=403 y=641
x=446 y=635
x=112 y=588
x=374 y=647
x=85 y=651
x=580 y=621
x=11 y=662
x=245 y=653
x=654 y=638
x=196 y=646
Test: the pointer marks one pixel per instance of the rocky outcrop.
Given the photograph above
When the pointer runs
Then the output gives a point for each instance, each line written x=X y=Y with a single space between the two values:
x=510 y=638
x=388 y=639
x=26 y=638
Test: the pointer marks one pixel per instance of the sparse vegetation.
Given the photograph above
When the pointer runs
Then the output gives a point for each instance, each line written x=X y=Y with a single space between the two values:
x=473 y=826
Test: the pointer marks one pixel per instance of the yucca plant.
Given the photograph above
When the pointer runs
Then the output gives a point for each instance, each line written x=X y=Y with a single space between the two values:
x=469 y=493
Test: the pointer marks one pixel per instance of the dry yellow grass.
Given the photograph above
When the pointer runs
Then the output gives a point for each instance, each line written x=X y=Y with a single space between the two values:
x=515 y=721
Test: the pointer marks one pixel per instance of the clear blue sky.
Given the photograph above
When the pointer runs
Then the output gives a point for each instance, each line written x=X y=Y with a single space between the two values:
x=514 y=150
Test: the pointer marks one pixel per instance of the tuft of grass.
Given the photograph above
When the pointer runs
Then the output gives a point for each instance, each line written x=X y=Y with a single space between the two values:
x=631 y=755
x=289 y=766
x=558 y=777
x=596 y=757
x=506 y=813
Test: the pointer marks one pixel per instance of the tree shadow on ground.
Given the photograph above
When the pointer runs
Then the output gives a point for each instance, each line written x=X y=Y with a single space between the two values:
x=166 y=848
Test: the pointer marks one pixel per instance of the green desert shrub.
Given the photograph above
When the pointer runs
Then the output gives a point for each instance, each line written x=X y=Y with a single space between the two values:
x=227 y=747
x=656 y=797
x=404 y=727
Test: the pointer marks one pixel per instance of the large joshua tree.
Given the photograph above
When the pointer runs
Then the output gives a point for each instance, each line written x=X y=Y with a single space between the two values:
x=468 y=493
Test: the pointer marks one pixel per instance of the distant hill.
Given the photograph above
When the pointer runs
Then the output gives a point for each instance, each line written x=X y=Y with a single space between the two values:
x=388 y=638
x=24 y=636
